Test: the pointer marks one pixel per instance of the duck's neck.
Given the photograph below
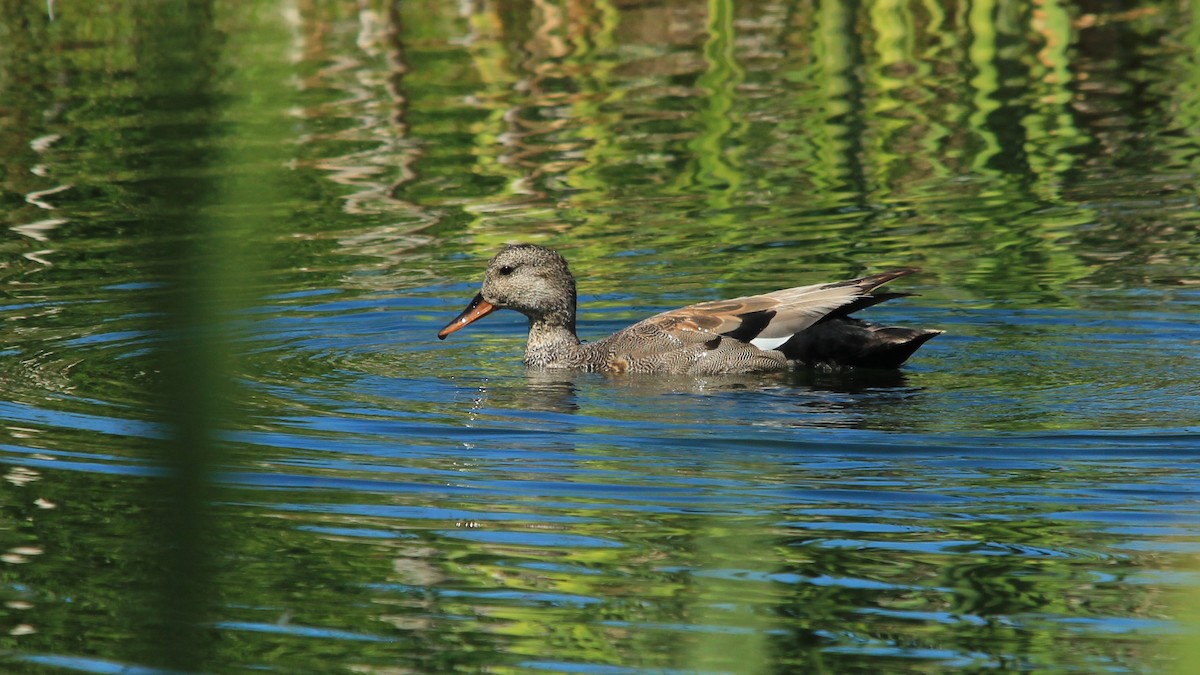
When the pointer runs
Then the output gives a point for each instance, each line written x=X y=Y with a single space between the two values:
x=552 y=340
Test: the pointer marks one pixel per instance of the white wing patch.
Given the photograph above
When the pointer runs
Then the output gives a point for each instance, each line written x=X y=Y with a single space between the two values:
x=770 y=343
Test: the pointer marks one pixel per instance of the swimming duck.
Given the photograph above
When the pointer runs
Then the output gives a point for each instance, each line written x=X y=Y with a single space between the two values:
x=803 y=326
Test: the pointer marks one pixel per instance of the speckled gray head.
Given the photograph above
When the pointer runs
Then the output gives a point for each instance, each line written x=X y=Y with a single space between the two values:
x=531 y=279
x=527 y=278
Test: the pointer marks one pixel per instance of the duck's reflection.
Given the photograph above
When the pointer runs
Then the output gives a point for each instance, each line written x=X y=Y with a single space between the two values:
x=551 y=390
x=805 y=398
x=845 y=381
x=848 y=381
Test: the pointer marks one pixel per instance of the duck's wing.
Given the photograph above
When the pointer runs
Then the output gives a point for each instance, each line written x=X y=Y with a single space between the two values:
x=770 y=320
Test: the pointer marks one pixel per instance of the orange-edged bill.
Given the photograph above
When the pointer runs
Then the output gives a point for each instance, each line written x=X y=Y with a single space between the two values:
x=478 y=309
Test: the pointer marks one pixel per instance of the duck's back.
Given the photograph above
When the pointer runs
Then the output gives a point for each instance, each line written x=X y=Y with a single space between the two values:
x=806 y=325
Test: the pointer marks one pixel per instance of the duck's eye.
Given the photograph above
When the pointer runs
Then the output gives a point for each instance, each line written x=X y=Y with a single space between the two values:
x=506 y=270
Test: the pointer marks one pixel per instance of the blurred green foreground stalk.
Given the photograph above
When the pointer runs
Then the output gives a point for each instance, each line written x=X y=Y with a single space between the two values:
x=202 y=217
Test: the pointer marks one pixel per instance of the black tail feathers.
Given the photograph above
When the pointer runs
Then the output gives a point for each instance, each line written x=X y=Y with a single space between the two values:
x=842 y=342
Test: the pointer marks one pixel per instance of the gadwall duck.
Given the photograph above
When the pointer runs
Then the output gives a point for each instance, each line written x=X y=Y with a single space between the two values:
x=806 y=326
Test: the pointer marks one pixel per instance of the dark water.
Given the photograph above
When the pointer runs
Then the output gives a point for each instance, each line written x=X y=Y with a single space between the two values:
x=235 y=228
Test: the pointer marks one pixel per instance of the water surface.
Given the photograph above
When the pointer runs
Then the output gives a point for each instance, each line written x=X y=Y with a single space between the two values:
x=234 y=231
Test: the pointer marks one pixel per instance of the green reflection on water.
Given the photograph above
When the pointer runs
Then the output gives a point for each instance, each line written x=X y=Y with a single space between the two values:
x=725 y=147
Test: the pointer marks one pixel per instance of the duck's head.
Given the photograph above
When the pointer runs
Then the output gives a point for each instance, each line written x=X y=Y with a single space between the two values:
x=530 y=279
